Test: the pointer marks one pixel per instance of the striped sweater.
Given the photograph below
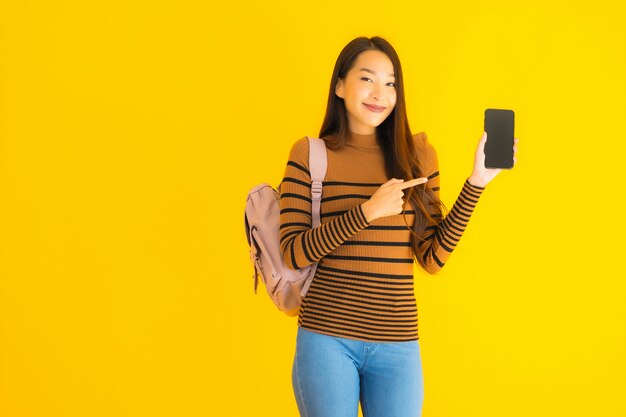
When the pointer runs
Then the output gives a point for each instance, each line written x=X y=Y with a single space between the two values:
x=363 y=287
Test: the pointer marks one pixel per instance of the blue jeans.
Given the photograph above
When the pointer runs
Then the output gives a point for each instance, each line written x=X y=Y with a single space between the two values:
x=331 y=374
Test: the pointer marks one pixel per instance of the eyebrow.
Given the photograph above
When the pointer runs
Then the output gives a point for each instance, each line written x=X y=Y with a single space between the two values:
x=374 y=72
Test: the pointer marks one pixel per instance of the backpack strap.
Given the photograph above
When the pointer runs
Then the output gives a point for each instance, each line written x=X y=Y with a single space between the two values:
x=318 y=163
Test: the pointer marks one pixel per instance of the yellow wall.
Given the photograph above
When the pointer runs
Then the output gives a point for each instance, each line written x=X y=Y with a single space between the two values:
x=131 y=133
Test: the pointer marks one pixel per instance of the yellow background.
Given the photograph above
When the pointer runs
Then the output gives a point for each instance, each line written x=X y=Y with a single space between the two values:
x=131 y=133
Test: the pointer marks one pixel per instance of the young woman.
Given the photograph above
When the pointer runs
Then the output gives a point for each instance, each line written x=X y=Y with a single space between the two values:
x=357 y=327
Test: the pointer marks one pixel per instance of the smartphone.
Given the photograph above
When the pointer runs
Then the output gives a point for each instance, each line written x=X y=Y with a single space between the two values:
x=500 y=126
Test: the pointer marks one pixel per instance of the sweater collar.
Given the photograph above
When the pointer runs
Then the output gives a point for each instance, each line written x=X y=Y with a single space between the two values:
x=362 y=141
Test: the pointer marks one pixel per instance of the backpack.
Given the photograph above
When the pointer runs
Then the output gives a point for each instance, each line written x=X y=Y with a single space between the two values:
x=285 y=286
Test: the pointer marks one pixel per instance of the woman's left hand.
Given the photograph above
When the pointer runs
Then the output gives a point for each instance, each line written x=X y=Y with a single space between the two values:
x=481 y=176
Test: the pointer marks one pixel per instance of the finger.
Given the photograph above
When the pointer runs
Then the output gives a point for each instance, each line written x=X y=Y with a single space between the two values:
x=413 y=183
x=482 y=141
x=393 y=181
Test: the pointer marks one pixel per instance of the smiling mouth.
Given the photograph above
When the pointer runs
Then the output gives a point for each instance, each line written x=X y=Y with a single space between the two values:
x=375 y=109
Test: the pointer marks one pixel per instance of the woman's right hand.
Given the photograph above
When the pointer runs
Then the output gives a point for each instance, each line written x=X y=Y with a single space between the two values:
x=387 y=200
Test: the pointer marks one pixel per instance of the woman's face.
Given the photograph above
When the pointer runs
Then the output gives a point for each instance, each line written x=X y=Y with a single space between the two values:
x=370 y=81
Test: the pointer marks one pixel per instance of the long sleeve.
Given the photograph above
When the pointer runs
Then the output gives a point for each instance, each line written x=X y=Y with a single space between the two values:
x=301 y=244
x=441 y=240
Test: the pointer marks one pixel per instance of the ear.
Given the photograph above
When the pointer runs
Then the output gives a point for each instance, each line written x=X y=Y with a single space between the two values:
x=339 y=88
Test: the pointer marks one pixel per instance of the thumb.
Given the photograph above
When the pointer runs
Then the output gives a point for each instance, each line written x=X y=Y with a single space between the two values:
x=482 y=142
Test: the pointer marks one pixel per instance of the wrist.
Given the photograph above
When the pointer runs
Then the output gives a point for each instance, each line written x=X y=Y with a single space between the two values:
x=366 y=211
x=476 y=181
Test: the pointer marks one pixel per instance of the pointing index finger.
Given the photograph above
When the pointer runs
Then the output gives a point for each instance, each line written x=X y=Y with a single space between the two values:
x=413 y=182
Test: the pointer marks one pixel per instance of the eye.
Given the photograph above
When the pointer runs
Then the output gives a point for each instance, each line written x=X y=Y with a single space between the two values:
x=394 y=84
x=364 y=78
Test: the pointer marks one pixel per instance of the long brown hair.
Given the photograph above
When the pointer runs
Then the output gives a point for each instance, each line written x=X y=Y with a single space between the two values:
x=394 y=137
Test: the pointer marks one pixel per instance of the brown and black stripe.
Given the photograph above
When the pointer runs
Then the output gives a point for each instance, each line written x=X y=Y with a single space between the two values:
x=363 y=288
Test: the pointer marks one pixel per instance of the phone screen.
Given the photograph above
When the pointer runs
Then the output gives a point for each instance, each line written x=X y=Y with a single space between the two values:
x=500 y=126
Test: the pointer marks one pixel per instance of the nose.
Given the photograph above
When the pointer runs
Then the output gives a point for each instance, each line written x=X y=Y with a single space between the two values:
x=376 y=93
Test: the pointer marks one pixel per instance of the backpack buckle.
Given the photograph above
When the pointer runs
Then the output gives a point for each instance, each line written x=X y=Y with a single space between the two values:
x=316 y=189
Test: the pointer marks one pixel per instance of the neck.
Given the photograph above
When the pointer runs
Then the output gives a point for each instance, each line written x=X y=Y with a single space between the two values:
x=365 y=141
